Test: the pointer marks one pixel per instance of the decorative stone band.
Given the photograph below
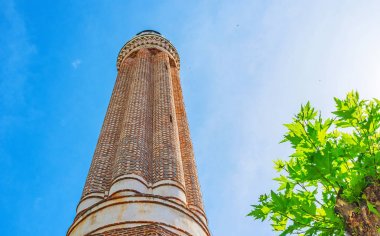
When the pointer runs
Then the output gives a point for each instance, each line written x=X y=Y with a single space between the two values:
x=132 y=211
x=89 y=200
x=132 y=184
x=150 y=40
x=199 y=212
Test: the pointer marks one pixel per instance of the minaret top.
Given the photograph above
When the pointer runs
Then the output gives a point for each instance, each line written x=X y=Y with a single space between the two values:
x=148 y=32
x=148 y=39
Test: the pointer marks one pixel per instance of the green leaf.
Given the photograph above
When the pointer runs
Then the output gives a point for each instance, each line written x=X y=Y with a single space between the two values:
x=372 y=209
x=279 y=165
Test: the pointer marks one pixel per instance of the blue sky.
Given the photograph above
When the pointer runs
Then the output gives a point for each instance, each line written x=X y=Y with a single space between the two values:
x=246 y=68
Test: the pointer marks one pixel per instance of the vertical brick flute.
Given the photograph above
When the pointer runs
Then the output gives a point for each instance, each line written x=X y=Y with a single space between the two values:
x=143 y=178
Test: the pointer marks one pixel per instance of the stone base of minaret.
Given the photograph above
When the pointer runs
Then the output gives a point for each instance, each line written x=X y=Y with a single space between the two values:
x=138 y=215
x=136 y=206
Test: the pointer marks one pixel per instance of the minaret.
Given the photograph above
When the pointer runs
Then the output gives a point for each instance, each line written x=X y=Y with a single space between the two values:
x=143 y=178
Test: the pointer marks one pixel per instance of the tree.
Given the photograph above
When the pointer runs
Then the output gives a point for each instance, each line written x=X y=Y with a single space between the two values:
x=330 y=184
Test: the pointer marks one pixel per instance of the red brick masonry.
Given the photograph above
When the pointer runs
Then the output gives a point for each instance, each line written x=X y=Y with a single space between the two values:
x=144 y=230
x=145 y=132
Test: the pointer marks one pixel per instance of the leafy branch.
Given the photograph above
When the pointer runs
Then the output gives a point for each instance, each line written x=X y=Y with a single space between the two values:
x=334 y=158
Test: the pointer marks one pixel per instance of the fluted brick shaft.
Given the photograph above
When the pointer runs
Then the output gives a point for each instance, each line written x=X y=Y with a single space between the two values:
x=99 y=175
x=193 y=193
x=133 y=154
x=167 y=164
x=143 y=178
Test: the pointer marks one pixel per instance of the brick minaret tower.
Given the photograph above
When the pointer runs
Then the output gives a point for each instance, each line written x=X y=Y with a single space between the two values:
x=143 y=178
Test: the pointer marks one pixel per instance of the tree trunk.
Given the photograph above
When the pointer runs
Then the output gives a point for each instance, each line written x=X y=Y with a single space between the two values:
x=359 y=220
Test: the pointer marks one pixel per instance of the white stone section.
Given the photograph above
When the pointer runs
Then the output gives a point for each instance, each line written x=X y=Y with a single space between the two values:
x=132 y=182
x=164 y=188
x=198 y=211
x=132 y=209
x=89 y=201
x=168 y=188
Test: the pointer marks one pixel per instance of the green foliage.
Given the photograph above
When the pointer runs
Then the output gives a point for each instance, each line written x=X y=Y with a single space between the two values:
x=339 y=155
